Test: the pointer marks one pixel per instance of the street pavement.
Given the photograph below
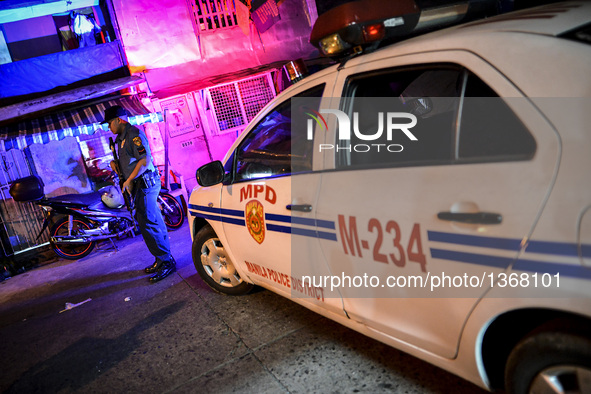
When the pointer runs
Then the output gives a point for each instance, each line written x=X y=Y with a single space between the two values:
x=123 y=334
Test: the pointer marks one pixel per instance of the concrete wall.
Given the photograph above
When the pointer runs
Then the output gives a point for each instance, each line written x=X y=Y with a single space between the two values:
x=32 y=38
x=159 y=37
x=156 y=34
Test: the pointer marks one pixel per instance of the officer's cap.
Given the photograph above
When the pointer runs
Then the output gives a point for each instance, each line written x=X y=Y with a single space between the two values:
x=113 y=112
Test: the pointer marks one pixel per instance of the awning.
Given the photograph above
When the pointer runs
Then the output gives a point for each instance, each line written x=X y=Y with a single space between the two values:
x=81 y=94
x=70 y=123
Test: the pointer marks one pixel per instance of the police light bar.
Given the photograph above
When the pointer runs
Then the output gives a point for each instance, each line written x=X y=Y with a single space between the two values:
x=356 y=25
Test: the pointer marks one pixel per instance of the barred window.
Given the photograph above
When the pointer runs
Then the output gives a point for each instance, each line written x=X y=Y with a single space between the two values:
x=235 y=104
x=228 y=111
x=214 y=14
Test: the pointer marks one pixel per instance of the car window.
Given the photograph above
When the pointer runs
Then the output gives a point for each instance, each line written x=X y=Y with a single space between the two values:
x=459 y=119
x=267 y=150
x=430 y=94
x=489 y=130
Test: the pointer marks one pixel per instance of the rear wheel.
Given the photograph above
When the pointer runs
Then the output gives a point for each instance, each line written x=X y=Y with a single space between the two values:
x=71 y=251
x=214 y=265
x=550 y=362
x=172 y=211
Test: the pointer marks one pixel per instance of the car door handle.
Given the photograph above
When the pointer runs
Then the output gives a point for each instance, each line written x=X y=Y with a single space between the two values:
x=472 y=218
x=300 y=207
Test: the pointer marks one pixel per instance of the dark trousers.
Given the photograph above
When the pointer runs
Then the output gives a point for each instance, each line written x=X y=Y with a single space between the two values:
x=149 y=218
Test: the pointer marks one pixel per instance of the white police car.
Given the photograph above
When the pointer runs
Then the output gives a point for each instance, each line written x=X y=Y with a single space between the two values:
x=434 y=195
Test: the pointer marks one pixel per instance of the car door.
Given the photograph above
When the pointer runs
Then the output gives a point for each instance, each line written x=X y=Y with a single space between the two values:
x=430 y=222
x=270 y=224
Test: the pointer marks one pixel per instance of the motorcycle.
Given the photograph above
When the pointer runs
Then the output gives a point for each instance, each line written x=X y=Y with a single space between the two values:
x=172 y=211
x=87 y=218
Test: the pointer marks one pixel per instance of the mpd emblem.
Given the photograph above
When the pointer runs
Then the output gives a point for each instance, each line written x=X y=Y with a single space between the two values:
x=255 y=220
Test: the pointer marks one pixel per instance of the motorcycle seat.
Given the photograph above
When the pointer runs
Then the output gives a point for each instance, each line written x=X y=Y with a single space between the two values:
x=81 y=200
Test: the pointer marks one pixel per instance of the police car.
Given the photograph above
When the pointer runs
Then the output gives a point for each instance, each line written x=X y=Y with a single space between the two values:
x=433 y=194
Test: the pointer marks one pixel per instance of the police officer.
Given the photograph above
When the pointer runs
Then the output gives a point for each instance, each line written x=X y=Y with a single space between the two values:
x=143 y=182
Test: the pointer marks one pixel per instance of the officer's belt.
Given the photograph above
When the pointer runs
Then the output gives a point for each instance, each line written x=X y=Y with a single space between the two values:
x=148 y=179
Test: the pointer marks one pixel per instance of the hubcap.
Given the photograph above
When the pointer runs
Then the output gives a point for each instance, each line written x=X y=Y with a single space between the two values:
x=218 y=265
x=562 y=379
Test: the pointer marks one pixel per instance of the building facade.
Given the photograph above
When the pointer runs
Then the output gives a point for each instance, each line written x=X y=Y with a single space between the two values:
x=198 y=71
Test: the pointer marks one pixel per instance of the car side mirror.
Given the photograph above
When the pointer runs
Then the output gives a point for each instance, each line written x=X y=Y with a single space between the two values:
x=210 y=174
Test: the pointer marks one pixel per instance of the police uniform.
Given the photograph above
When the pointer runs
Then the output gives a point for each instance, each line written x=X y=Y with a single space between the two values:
x=132 y=145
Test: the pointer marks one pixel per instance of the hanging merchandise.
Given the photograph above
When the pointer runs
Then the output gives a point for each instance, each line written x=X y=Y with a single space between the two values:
x=85 y=28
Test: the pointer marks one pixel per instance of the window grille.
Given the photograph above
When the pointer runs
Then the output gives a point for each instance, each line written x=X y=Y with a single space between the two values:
x=214 y=14
x=255 y=95
x=228 y=111
x=237 y=103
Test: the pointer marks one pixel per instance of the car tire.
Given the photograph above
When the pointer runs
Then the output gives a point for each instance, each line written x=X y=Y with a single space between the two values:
x=550 y=362
x=214 y=265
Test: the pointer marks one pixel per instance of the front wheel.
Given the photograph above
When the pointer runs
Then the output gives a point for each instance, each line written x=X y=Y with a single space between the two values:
x=71 y=251
x=214 y=265
x=550 y=362
x=172 y=211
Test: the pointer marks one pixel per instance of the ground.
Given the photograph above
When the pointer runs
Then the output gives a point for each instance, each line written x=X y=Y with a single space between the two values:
x=179 y=336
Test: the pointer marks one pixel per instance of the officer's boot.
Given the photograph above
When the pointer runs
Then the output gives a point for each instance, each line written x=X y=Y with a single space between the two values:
x=167 y=268
x=154 y=267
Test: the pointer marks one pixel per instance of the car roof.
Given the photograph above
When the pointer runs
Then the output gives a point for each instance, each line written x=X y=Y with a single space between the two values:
x=487 y=35
x=525 y=37
x=550 y=20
